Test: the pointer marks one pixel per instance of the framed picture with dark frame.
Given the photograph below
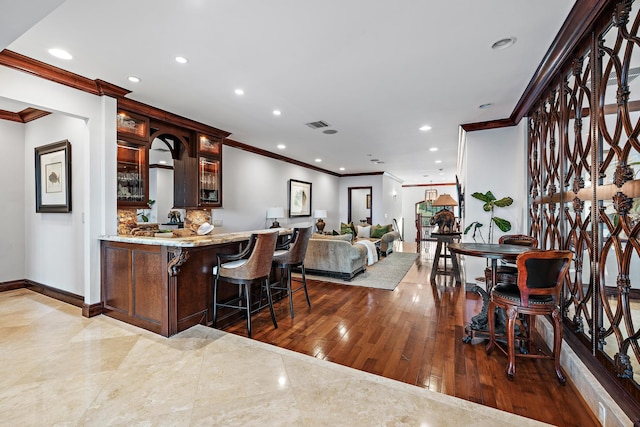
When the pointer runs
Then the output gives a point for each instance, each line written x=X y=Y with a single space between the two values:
x=299 y=198
x=53 y=177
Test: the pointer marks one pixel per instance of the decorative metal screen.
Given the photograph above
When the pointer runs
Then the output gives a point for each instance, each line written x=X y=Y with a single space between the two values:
x=584 y=162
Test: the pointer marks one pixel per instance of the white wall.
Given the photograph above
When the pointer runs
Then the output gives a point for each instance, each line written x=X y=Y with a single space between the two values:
x=391 y=200
x=96 y=195
x=498 y=165
x=253 y=183
x=12 y=203
x=54 y=241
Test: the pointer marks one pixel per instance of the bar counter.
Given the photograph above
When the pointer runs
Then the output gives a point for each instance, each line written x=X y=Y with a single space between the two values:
x=164 y=284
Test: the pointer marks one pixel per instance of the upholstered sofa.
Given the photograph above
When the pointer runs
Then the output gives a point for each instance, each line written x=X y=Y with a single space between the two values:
x=335 y=256
x=386 y=242
x=385 y=233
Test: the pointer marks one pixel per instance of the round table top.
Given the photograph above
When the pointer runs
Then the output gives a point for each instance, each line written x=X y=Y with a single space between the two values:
x=489 y=250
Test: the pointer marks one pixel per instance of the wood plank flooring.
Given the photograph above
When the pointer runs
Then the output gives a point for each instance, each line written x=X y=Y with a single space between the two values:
x=414 y=334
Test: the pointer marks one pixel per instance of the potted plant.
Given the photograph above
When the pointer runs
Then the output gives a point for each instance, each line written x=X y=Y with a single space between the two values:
x=490 y=203
x=142 y=214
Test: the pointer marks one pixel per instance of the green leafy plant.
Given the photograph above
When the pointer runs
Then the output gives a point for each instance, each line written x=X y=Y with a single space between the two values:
x=490 y=203
x=142 y=214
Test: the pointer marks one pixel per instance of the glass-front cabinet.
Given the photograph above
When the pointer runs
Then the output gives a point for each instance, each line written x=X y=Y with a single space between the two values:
x=132 y=176
x=209 y=172
x=132 y=160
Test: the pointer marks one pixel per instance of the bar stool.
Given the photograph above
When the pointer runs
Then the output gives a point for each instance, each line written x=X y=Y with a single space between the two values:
x=287 y=259
x=249 y=266
x=541 y=275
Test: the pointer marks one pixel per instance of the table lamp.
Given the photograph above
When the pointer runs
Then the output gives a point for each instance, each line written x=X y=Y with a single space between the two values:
x=320 y=214
x=444 y=200
x=274 y=214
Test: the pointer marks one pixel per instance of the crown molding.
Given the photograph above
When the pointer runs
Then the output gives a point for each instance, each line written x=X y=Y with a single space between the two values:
x=23 y=63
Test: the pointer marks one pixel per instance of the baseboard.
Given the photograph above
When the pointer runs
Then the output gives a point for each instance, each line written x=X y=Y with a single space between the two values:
x=90 y=310
x=68 y=297
x=585 y=382
x=14 y=284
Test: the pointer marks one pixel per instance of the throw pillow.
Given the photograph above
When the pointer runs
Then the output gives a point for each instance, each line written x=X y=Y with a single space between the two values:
x=377 y=231
x=334 y=233
x=364 y=232
x=346 y=228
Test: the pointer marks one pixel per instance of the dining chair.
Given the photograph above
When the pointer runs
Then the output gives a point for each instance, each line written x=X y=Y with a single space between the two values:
x=541 y=275
x=508 y=273
x=289 y=255
x=252 y=265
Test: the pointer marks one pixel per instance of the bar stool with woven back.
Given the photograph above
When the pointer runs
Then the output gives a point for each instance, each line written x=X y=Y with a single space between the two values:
x=290 y=254
x=541 y=275
x=252 y=265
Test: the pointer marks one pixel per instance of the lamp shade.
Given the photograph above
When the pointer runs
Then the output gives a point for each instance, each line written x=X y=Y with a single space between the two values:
x=277 y=212
x=320 y=213
x=445 y=200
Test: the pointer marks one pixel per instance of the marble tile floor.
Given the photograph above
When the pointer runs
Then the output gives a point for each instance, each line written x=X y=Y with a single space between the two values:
x=58 y=368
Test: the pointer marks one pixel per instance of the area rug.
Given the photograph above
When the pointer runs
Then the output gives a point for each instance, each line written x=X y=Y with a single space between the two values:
x=384 y=274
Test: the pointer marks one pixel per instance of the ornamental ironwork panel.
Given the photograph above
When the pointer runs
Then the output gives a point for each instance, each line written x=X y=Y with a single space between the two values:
x=584 y=188
x=618 y=126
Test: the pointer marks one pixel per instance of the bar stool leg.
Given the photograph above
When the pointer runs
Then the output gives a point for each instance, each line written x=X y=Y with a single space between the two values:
x=270 y=300
x=247 y=296
x=289 y=290
x=304 y=284
x=215 y=302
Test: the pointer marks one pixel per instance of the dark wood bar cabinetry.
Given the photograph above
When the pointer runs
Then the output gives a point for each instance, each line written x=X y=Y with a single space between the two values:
x=164 y=285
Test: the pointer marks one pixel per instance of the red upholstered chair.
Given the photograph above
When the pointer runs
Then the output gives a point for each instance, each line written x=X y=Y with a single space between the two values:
x=541 y=275
x=250 y=266
x=507 y=273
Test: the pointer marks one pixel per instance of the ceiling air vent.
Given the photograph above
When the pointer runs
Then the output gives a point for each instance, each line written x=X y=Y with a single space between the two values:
x=317 y=125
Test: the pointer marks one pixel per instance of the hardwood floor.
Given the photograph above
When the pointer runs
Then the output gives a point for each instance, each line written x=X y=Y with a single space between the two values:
x=414 y=334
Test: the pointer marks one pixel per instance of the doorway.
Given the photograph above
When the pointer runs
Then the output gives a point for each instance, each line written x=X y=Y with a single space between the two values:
x=360 y=205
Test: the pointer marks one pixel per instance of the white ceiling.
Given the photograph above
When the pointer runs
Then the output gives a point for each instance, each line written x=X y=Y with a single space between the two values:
x=375 y=70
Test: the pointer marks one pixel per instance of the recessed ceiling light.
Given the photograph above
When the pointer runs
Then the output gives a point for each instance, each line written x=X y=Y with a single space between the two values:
x=425 y=128
x=60 y=53
x=281 y=146
x=181 y=60
x=504 y=43
x=433 y=149
x=438 y=161
x=134 y=79
x=330 y=131
x=341 y=169
x=239 y=92
x=277 y=112
x=485 y=106
x=318 y=160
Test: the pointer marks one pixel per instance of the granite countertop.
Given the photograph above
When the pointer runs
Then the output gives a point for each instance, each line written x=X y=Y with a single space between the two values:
x=193 y=241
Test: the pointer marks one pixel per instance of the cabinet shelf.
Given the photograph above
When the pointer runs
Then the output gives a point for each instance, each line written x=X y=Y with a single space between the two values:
x=132 y=173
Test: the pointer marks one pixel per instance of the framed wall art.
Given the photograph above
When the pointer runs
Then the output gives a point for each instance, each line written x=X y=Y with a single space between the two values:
x=53 y=177
x=299 y=198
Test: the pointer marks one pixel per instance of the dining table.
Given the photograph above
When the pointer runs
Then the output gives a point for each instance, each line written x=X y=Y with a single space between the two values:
x=493 y=252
